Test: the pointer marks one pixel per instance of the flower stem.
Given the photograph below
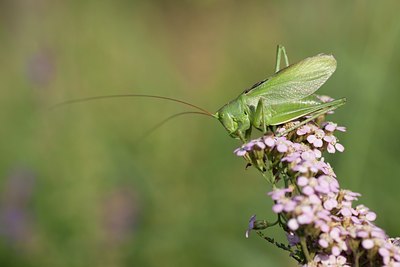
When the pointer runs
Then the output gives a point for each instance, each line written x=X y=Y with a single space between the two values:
x=357 y=259
x=304 y=247
x=274 y=223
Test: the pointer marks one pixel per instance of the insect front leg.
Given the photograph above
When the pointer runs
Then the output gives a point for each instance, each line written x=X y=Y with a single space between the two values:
x=260 y=116
x=281 y=50
x=244 y=132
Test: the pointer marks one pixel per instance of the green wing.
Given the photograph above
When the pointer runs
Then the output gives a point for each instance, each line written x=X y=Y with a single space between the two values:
x=296 y=81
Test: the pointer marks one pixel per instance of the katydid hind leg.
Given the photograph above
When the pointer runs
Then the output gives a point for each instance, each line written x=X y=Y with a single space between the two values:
x=281 y=50
x=285 y=56
x=315 y=112
x=312 y=117
x=285 y=112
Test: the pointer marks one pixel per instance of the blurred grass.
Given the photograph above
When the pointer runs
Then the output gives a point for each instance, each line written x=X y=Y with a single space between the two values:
x=99 y=196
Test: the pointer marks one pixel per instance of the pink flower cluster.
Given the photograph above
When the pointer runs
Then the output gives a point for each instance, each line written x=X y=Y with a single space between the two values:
x=311 y=206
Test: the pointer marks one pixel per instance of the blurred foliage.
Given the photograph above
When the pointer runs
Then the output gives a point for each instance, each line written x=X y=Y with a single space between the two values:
x=81 y=187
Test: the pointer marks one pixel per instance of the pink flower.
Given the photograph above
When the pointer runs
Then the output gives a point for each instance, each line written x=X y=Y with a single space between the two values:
x=303 y=130
x=332 y=144
x=331 y=127
x=316 y=138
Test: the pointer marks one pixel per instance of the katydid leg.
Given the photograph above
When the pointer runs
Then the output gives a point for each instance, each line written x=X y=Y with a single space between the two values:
x=313 y=116
x=259 y=120
x=281 y=50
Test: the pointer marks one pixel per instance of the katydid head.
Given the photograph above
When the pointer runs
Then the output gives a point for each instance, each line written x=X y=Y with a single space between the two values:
x=227 y=121
x=235 y=119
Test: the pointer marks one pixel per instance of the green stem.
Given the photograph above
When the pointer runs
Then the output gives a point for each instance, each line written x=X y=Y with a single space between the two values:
x=268 y=175
x=356 y=259
x=304 y=247
x=280 y=245
x=274 y=223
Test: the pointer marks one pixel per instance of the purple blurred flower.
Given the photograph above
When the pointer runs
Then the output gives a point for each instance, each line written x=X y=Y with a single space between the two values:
x=293 y=239
x=16 y=221
x=251 y=225
x=41 y=68
x=120 y=215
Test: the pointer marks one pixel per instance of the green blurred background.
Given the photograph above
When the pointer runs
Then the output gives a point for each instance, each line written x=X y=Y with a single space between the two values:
x=81 y=187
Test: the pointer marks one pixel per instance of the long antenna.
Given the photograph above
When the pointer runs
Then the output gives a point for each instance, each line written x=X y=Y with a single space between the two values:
x=86 y=99
x=161 y=123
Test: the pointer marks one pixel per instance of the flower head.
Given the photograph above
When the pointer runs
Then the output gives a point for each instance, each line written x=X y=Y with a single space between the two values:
x=310 y=204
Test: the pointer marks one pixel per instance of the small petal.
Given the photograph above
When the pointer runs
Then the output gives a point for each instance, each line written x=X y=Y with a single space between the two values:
x=329 y=138
x=308 y=190
x=336 y=251
x=290 y=206
x=305 y=219
x=341 y=260
x=331 y=148
x=335 y=233
x=277 y=208
x=260 y=144
x=269 y=141
x=317 y=153
x=330 y=127
x=240 y=152
x=305 y=129
x=292 y=224
x=371 y=216
x=282 y=148
x=368 y=243
x=311 y=138
x=346 y=212
x=384 y=252
x=324 y=228
x=330 y=204
x=302 y=181
x=308 y=155
x=339 y=147
x=318 y=143
x=363 y=234
x=323 y=243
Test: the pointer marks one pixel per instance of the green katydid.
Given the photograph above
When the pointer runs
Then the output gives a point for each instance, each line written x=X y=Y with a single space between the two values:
x=285 y=96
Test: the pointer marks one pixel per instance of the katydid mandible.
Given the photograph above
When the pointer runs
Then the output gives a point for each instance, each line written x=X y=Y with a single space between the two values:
x=285 y=96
